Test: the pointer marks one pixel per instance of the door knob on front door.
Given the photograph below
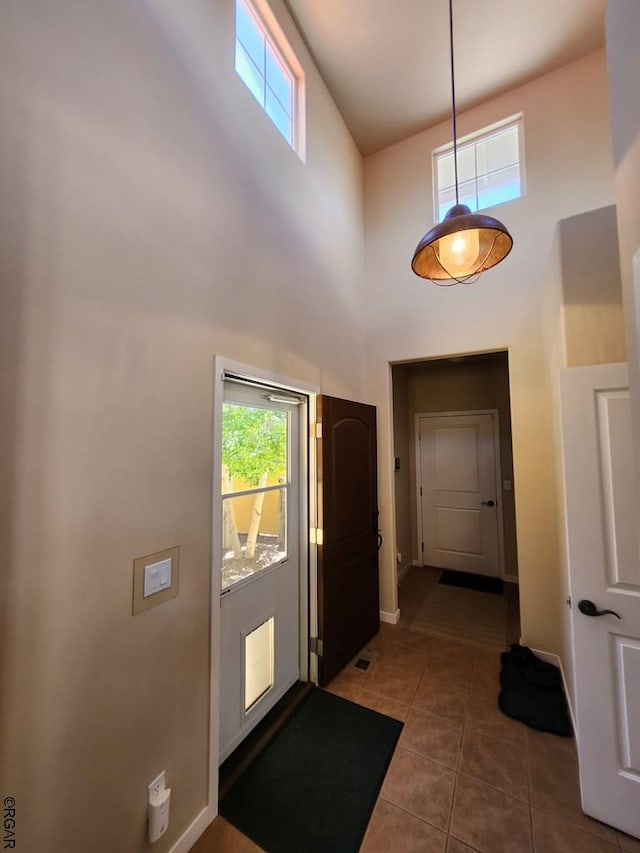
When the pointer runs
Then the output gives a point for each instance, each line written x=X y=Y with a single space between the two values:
x=589 y=609
x=488 y=503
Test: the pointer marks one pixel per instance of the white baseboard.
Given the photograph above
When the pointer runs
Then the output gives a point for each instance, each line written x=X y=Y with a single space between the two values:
x=391 y=618
x=416 y=562
x=549 y=657
x=192 y=833
x=403 y=572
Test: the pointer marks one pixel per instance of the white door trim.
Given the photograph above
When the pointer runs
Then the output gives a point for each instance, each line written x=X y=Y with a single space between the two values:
x=498 y=473
x=308 y=573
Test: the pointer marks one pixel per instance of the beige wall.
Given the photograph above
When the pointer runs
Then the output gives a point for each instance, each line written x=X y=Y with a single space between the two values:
x=555 y=357
x=567 y=137
x=591 y=289
x=151 y=216
x=623 y=59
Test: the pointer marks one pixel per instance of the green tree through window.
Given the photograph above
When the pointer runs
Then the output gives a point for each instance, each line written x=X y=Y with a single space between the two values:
x=254 y=443
x=254 y=456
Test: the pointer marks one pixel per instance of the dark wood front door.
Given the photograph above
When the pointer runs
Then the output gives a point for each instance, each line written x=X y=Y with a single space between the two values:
x=348 y=597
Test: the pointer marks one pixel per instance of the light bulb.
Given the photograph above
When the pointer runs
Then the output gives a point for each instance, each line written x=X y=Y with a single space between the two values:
x=458 y=252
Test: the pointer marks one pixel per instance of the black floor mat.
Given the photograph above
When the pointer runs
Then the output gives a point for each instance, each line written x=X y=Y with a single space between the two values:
x=259 y=738
x=315 y=787
x=468 y=580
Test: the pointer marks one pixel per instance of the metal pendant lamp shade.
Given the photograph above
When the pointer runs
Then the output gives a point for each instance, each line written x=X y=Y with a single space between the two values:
x=461 y=247
x=465 y=244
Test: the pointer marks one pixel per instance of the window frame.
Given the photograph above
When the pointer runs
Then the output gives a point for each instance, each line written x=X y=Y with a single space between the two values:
x=277 y=42
x=474 y=138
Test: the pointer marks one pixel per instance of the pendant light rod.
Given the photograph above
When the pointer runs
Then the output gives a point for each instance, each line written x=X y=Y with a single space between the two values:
x=453 y=101
x=465 y=244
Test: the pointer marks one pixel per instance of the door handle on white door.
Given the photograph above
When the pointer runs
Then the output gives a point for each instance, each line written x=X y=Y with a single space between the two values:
x=488 y=503
x=589 y=609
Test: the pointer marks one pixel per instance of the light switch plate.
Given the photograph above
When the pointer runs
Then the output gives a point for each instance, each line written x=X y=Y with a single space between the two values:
x=157 y=576
x=155 y=579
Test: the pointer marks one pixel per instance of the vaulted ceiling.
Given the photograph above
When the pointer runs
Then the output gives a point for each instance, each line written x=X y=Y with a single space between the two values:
x=386 y=62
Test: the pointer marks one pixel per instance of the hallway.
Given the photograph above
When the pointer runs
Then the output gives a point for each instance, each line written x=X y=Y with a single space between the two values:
x=463 y=777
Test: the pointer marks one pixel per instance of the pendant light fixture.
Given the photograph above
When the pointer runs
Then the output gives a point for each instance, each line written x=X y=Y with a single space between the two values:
x=465 y=244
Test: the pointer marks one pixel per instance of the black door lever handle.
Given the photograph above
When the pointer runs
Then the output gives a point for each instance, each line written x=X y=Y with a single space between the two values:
x=589 y=609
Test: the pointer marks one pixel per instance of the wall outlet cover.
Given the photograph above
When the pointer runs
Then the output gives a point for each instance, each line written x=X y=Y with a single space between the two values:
x=156 y=788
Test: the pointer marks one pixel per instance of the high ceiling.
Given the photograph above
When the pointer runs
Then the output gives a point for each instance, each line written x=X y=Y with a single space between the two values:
x=386 y=62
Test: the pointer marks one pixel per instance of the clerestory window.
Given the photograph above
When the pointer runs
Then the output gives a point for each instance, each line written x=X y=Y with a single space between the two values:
x=269 y=69
x=489 y=169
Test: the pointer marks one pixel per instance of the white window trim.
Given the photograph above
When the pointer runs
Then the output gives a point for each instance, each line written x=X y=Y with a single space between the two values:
x=276 y=37
x=447 y=148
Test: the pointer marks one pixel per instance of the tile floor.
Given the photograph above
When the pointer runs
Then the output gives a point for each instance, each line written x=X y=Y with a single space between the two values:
x=463 y=777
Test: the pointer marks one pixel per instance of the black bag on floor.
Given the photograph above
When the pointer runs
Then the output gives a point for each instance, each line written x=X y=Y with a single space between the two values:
x=532 y=692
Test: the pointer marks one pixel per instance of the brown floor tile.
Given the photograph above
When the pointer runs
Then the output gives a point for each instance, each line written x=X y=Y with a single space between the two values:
x=455 y=846
x=410 y=587
x=418 y=641
x=420 y=786
x=440 y=699
x=433 y=737
x=555 y=790
x=446 y=694
x=627 y=843
x=406 y=614
x=415 y=585
x=489 y=820
x=486 y=759
x=396 y=643
x=407 y=640
x=371 y=655
x=403 y=658
x=555 y=835
x=453 y=671
x=387 y=634
x=221 y=836
x=391 y=828
x=486 y=673
x=450 y=650
x=483 y=715
x=407 y=610
x=345 y=689
x=487 y=659
x=392 y=683
x=346 y=680
x=560 y=748
x=382 y=705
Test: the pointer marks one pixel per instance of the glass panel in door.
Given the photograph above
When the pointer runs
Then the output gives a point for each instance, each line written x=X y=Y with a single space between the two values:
x=255 y=483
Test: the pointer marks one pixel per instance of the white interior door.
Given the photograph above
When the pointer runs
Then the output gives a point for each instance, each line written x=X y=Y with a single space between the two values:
x=458 y=492
x=260 y=563
x=604 y=569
